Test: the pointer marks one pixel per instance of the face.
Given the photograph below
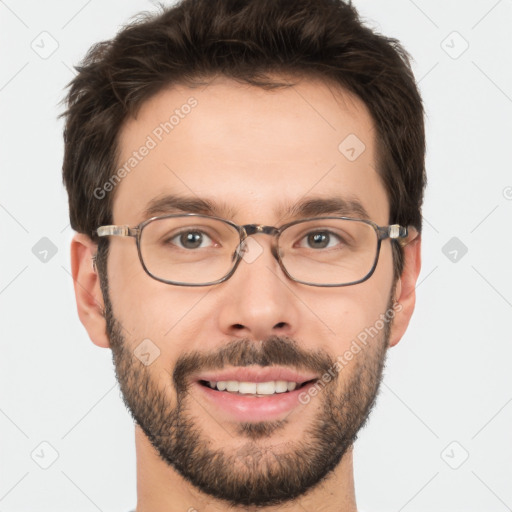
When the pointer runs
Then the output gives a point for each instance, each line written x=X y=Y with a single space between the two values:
x=254 y=153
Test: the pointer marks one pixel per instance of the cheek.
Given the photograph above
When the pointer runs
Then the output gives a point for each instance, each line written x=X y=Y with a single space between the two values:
x=346 y=312
x=149 y=309
x=127 y=284
x=346 y=316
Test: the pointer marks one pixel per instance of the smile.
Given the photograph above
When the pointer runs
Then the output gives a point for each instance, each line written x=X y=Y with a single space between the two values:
x=259 y=389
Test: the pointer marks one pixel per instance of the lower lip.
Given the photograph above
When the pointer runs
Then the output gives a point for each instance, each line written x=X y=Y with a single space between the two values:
x=254 y=408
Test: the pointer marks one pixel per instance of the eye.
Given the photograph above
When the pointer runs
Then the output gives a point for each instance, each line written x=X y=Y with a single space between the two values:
x=189 y=239
x=321 y=239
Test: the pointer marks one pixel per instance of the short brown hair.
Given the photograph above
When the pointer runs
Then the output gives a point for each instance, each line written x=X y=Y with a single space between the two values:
x=250 y=41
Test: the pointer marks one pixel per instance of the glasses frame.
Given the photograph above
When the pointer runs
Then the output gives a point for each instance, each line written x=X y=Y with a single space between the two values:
x=392 y=231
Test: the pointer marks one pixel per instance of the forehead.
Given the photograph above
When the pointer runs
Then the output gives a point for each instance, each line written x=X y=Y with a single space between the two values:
x=249 y=154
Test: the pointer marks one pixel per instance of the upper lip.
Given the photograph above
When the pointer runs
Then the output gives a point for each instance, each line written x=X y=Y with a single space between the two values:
x=257 y=374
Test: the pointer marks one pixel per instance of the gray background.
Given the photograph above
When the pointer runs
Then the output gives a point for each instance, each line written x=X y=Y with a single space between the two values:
x=439 y=438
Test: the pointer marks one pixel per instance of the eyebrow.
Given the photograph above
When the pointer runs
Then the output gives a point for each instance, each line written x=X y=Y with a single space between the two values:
x=308 y=207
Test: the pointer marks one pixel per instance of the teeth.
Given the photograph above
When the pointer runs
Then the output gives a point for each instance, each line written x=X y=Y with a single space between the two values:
x=281 y=386
x=254 y=388
x=265 y=388
x=291 y=385
x=247 y=387
x=232 y=385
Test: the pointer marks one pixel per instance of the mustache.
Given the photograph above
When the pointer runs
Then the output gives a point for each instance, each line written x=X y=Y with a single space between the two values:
x=274 y=350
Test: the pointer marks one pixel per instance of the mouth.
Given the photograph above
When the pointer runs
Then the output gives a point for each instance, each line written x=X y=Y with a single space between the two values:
x=255 y=389
x=253 y=393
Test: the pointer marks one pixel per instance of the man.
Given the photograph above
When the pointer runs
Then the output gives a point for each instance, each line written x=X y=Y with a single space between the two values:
x=246 y=180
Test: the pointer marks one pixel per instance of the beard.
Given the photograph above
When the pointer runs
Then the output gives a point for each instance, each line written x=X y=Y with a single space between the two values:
x=255 y=473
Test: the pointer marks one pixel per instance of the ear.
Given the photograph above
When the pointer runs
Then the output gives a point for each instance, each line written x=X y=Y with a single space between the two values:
x=89 y=299
x=405 y=292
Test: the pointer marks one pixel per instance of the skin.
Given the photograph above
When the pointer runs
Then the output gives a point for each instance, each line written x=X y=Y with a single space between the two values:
x=254 y=150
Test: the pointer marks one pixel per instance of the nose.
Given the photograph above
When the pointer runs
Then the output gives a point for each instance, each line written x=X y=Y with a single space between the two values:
x=258 y=300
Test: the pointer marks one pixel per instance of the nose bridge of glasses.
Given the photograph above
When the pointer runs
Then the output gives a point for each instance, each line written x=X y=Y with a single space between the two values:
x=254 y=229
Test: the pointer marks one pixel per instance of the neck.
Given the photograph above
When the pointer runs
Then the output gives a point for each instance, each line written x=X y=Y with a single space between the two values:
x=161 y=489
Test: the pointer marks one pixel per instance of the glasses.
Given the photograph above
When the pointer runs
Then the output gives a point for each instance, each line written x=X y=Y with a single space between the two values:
x=200 y=250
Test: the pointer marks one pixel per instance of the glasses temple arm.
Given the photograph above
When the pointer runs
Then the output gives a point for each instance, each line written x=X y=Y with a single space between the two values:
x=116 y=231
